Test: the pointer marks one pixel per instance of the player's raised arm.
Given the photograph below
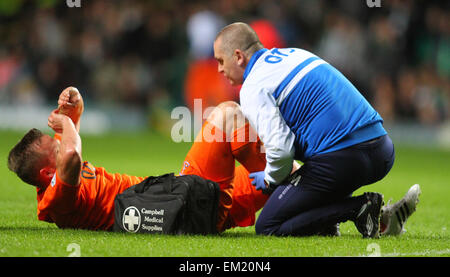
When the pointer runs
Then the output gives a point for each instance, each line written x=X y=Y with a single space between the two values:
x=70 y=103
x=68 y=158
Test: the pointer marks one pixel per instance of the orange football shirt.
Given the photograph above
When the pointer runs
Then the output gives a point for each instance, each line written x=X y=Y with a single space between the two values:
x=89 y=205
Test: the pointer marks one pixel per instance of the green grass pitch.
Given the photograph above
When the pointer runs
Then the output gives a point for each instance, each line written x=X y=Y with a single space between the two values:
x=21 y=234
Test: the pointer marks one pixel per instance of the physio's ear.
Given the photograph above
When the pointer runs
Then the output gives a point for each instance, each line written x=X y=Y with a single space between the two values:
x=240 y=57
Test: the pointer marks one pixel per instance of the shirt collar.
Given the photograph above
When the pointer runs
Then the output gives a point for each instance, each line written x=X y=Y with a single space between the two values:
x=252 y=61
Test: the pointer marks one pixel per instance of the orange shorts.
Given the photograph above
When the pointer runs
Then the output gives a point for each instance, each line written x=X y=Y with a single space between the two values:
x=239 y=200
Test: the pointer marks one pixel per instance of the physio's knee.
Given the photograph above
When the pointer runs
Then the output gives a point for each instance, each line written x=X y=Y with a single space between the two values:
x=262 y=228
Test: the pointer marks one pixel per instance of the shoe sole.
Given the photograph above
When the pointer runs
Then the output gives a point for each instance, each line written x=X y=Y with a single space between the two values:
x=380 y=203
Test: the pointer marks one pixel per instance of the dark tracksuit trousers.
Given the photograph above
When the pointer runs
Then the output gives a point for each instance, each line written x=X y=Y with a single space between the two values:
x=322 y=197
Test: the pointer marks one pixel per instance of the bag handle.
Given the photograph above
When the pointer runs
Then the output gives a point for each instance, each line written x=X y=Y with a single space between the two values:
x=166 y=178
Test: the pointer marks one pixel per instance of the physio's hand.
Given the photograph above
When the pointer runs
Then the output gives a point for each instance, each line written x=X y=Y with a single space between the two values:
x=258 y=180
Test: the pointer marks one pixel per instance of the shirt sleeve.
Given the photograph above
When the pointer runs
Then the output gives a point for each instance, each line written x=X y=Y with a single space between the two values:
x=259 y=107
x=59 y=198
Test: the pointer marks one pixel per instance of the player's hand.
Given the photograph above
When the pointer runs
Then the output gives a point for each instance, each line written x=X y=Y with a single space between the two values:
x=69 y=97
x=258 y=180
x=70 y=103
x=55 y=121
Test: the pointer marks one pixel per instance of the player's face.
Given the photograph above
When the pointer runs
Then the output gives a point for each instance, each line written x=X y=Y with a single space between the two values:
x=229 y=66
x=48 y=147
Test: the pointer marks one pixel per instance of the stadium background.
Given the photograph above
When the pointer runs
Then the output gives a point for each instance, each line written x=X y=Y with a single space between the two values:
x=134 y=61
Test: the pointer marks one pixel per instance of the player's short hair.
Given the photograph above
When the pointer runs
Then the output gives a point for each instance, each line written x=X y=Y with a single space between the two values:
x=24 y=160
x=240 y=36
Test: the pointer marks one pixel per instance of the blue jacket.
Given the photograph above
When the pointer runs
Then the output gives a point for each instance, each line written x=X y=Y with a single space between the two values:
x=302 y=106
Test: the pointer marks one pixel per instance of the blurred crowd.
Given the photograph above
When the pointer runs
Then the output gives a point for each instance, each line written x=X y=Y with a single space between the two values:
x=156 y=55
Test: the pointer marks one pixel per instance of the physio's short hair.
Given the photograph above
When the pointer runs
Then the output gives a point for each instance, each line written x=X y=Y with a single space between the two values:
x=24 y=160
x=240 y=36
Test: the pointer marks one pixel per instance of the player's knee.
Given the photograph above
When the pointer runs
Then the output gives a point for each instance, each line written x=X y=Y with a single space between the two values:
x=234 y=118
x=228 y=116
x=229 y=105
x=229 y=110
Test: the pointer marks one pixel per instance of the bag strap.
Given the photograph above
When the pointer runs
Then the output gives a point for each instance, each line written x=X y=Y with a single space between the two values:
x=167 y=179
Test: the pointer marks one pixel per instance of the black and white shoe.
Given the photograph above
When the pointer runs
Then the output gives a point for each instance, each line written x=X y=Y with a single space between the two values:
x=367 y=220
x=394 y=216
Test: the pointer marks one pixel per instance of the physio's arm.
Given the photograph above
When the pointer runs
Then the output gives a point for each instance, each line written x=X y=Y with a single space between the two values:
x=264 y=116
x=68 y=158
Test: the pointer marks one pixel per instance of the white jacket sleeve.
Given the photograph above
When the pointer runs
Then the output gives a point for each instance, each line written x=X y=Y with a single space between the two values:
x=260 y=109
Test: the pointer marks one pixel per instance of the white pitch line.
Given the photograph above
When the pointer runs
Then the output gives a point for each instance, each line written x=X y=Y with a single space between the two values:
x=399 y=254
x=423 y=253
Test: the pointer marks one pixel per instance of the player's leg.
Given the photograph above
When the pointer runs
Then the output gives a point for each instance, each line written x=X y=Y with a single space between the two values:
x=213 y=160
x=224 y=137
x=245 y=144
x=246 y=200
x=225 y=134
x=246 y=148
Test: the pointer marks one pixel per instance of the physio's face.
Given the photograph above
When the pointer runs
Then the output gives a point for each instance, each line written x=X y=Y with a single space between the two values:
x=230 y=66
